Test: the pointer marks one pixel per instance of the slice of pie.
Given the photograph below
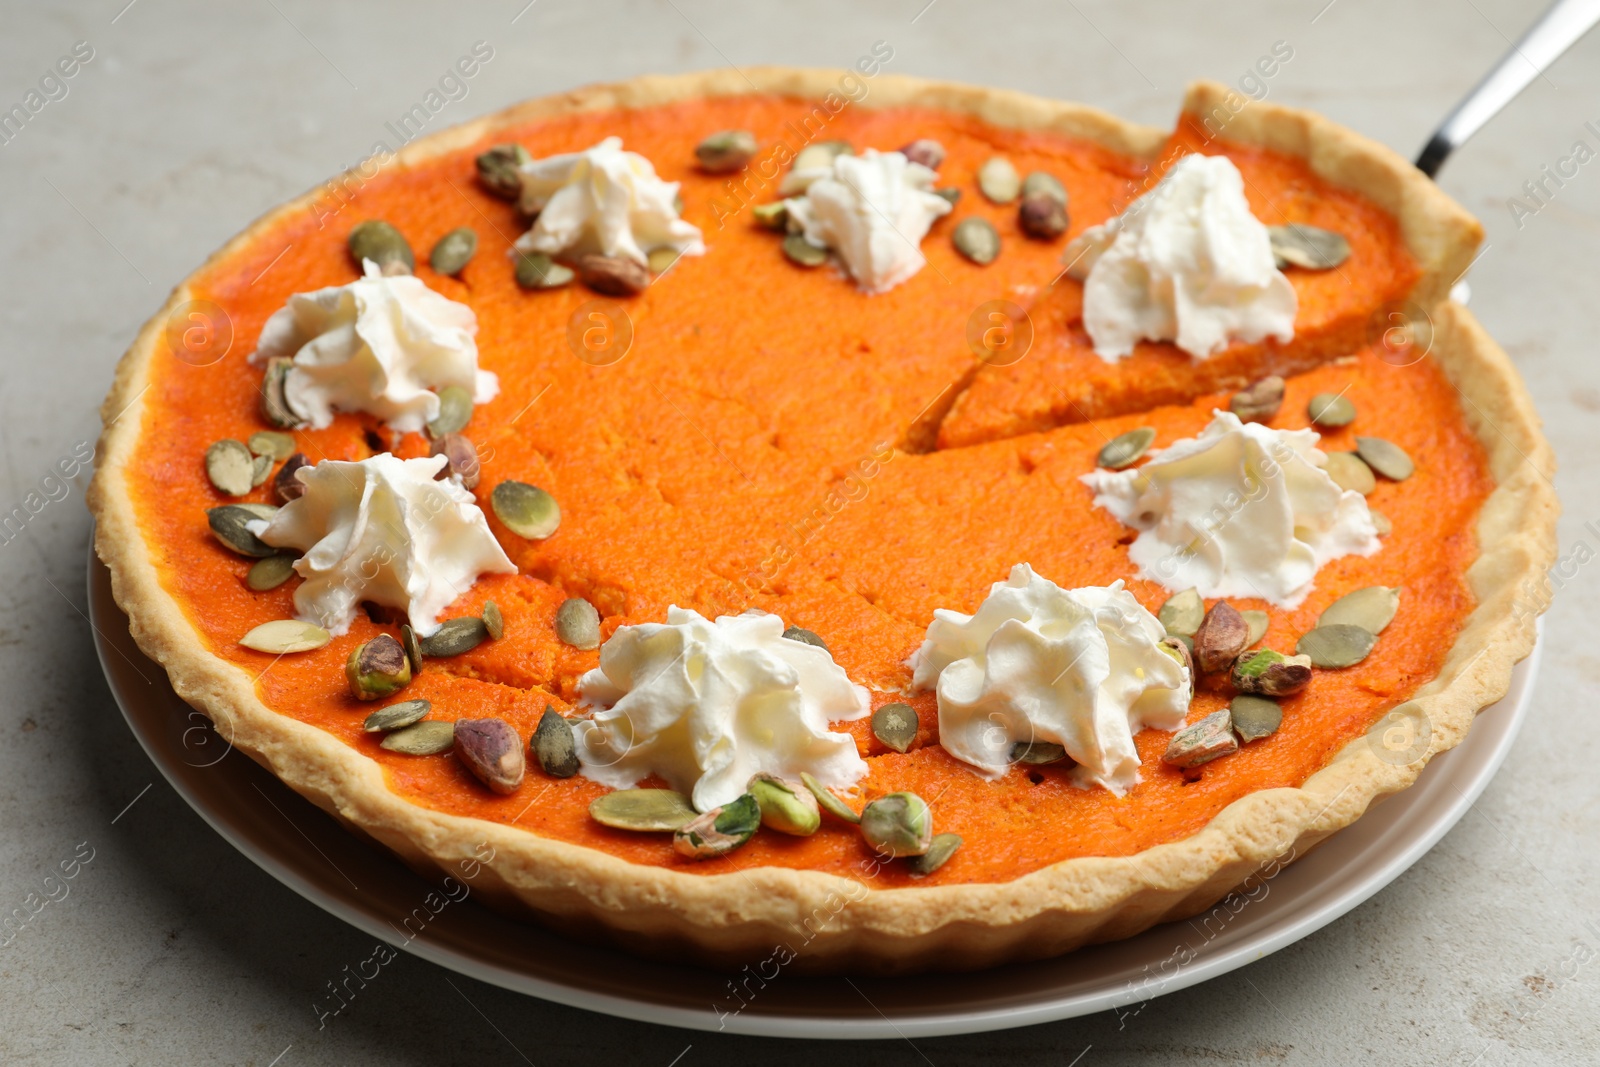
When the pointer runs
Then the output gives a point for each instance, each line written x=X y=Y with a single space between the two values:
x=917 y=525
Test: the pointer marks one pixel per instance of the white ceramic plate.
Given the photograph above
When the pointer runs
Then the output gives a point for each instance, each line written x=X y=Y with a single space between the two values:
x=293 y=841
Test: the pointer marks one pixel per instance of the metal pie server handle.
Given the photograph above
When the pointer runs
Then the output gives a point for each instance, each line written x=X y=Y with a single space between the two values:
x=1556 y=31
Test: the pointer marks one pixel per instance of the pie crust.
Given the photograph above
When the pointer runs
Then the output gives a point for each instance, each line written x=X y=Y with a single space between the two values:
x=838 y=924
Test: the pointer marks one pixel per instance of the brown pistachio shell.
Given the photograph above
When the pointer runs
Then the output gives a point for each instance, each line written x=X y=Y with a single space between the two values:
x=1042 y=216
x=286 y=486
x=492 y=751
x=461 y=459
x=1221 y=637
x=613 y=275
x=924 y=150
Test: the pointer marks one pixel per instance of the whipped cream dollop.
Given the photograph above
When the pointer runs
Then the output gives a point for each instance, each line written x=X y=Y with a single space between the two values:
x=1241 y=510
x=1186 y=262
x=872 y=210
x=382 y=529
x=383 y=345
x=705 y=705
x=603 y=200
x=1078 y=667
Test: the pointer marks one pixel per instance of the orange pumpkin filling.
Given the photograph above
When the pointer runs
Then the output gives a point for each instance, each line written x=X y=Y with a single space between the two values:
x=742 y=455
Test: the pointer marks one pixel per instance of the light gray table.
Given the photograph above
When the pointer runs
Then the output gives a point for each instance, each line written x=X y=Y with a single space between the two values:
x=192 y=118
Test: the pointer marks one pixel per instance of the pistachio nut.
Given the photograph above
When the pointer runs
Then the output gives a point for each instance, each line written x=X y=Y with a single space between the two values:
x=1202 y=742
x=719 y=831
x=899 y=824
x=377 y=668
x=785 y=807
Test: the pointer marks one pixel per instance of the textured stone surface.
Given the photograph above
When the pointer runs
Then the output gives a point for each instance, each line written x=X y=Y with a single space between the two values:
x=192 y=119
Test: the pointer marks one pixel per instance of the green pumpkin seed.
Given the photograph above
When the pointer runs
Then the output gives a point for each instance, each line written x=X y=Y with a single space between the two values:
x=1260 y=401
x=1310 y=247
x=642 y=810
x=806 y=637
x=231 y=467
x=260 y=471
x=282 y=636
x=725 y=151
x=500 y=169
x=1183 y=613
x=412 y=647
x=270 y=573
x=553 y=744
x=1037 y=753
x=1125 y=449
x=661 y=259
x=259 y=511
x=1040 y=183
x=1348 y=471
x=426 y=738
x=271 y=443
x=454 y=251
x=998 y=180
x=1254 y=717
x=1371 y=608
x=396 y=716
x=939 y=852
x=771 y=216
x=275 y=406
x=953 y=195
x=455 y=637
x=1331 y=409
x=827 y=801
x=802 y=252
x=1385 y=457
x=228 y=523
x=493 y=621
x=535 y=270
x=819 y=156
x=526 y=510
x=578 y=623
x=1257 y=622
x=784 y=807
x=977 y=239
x=455 y=411
x=895 y=725
x=1381 y=523
x=1335 y=646
x=380 y=242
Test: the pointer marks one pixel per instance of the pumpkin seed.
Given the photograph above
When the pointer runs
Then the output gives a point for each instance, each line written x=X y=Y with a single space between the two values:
x=784 y=807
x=1256 y=622
x=377 y=668
x=725 y=151
x=1126 y=448
x=1043 y=216
x=1039 y=183
x=662 y=259
x=426 y=738
x=1310 y=247
x=1371 y=609
x=1221 y=637
x=454 y=637
x=260 y=471
x=1331 y=409
x=899 y=824
x=895 y=725
x=806 y=637
x=1385 y=457
x=578 y=623
x=802 y=252
x=1381 y=523
x=282 y=636
x=412 y=647
x=452 y=252
x=643 y=810
x=1349 y=471
x=535 y=270
x=827 y=801
x=260 y=511
x=951 y=194
x=493 y=621
x=924 y=150
x=1337 y=645
x=1202 y=742
x=719 y=831
x=526 y=510
x=613 y=275
x=270 y=573
x=396 y=716
x=977 y=239
x=1254 y=717
x=275 y=406
x=939 y=852
x=231 y=467
x=286 y=486
x=455 y=411
x=553 y=744
x=998 y=180
x=492 y=751
x=1183 y=613
x=380 y=242
x=500 y=169
x=1037 y=753
x=811 y=160
x=228 y=523
x=1260 y=401
x=271 y=443
x=771 y=216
